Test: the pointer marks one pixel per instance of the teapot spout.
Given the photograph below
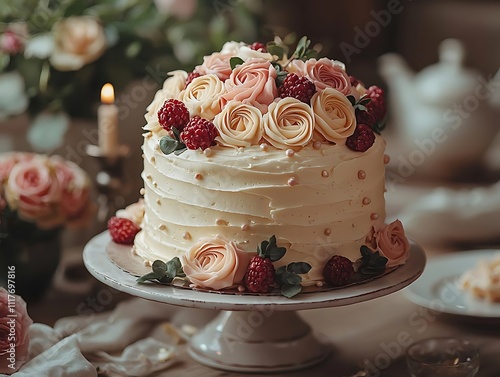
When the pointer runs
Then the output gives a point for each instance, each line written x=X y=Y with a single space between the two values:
x=395 y=71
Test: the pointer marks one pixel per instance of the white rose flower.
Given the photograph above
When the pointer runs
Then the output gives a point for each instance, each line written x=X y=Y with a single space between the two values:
x=201 y=96
x=245 y=53
x=78 y=41
x=239 y=125
x=231 y=47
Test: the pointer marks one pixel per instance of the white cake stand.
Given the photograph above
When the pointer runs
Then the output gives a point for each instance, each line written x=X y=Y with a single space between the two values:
x=252 y=333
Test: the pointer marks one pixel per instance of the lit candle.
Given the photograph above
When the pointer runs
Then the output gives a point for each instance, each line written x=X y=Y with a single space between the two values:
x=107 y=122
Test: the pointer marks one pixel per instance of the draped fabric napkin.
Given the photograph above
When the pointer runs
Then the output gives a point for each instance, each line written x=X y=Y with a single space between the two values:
x=133 y=340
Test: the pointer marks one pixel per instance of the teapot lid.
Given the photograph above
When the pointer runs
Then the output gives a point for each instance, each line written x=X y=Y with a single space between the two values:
x=447 y=81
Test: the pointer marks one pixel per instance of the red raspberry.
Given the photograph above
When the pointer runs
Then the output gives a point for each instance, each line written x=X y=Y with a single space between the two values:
x=191 y=77
x=362 y=138
x=122 y=230
x=297 y=87
x=338 y=271
x=198 y=133
x=354 y=81
x=260 y=275
x=173 y=113
x=258 y=46
x=375 y=109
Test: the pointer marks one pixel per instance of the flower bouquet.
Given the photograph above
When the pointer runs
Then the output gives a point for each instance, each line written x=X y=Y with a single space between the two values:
x=56 y=55
x=39 y=195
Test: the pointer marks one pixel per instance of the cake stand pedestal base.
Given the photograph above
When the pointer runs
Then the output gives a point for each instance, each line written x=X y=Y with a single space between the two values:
x=257 y=341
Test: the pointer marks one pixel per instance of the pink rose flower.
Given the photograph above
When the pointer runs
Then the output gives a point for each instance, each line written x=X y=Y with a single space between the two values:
x=215 y=263
x=217 y=64
x=13 y=331
x=324 y=73
x=393 y=244
x=74 y=185
x=33 y=189
x=11 y=43
x=8 y=160
x=254 y=83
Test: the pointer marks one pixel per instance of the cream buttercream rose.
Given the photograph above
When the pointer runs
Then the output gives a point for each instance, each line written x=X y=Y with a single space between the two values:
x=324 y=73
x=201 y=96
x=392 y=243
x=289 y=123
x=215 y=263
x=253 y=82
x=239 y=125
x=334 y=115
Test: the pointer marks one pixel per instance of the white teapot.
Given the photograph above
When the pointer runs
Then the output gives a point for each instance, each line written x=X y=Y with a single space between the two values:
x=441 y=114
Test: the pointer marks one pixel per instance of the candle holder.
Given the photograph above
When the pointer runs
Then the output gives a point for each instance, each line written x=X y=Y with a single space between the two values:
x=110 y=180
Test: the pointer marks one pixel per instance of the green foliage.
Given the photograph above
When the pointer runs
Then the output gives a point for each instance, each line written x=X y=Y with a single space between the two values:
x=372 y=263
x=141 y=42
x=288 y=278
x=163 y=272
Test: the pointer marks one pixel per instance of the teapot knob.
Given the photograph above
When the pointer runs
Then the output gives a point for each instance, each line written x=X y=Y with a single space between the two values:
x=452 y=52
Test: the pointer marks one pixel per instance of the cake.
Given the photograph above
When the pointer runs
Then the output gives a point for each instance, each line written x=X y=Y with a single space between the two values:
x=256 y=152
x=483 y=281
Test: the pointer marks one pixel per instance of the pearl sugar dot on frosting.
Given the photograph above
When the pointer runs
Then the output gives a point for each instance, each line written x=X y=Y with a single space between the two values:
x=325 y=174
x=293 y=181
x=361 y=174
x=198 y=176
x=221 y=222
x=374 y=216
x=387 y=158
x=366 y=201
x=245 y=227
x=290 y=153
x=186 y=236
x=317 y=144
x=327 y=231
x=208 y=152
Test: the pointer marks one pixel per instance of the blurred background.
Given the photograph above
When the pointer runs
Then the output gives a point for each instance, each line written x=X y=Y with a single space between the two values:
x=443 y=98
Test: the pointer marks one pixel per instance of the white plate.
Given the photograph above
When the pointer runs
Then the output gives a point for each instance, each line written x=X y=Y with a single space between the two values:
x=437 y=288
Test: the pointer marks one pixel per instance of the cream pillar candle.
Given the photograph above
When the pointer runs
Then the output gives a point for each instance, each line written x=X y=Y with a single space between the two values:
x=107 y=122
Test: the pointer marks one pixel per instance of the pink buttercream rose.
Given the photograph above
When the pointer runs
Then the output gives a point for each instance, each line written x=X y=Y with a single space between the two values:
x=74 y=185
x=324 y=73
x=254 y=83
x=393 y=244
x=215 y=263
x=34 y=191
x=217 y=64
x=17 y=326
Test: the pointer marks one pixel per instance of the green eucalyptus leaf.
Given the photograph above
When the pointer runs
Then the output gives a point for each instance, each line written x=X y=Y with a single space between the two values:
x=276 y=50
x=277 y=253
x=159 y=268
x=352 y=100
x=291 y=278
x=171 y=271
x=289 y=291
x=235 y=61
x=165 y=280
x=149 y=276
x=168 y=145
x=361 y=107
x=176 y=132
x=364 y=100
x=299 y=267
x=280 y=77
x=180 y=151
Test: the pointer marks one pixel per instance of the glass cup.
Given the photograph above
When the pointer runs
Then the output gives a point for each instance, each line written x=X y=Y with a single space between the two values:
x=438 y=357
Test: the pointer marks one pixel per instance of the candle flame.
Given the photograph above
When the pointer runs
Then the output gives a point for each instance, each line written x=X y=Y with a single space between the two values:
x=107 y=94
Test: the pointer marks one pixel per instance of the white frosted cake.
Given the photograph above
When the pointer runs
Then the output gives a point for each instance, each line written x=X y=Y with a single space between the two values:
x=255 y=147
